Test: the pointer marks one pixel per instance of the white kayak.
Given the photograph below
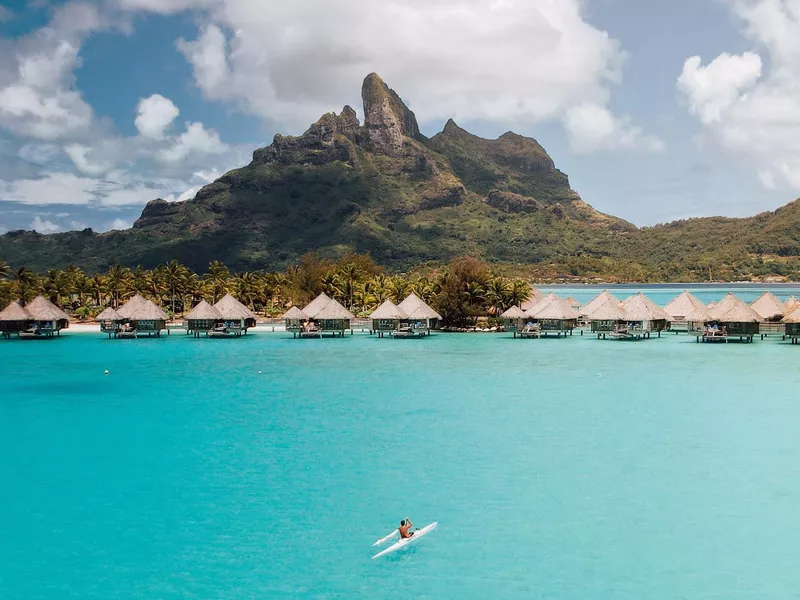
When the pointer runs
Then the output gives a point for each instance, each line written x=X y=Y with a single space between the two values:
x=406 y=541
x=383 y=540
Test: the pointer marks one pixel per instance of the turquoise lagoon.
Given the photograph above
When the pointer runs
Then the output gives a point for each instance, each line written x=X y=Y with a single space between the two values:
x=265 y=467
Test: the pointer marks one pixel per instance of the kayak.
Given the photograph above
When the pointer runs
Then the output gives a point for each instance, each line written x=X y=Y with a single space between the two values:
x=406 y=541
x=383 y=540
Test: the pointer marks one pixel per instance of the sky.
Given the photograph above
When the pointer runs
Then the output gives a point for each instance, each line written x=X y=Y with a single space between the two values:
x=656 y=110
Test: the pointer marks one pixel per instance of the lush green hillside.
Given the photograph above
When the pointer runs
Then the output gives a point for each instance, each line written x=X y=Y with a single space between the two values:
x=382 y=188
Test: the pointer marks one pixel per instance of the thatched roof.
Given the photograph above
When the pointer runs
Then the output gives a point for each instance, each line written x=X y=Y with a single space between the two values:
x=610 y=310
x=540 y=303
x=334 y=311
x=572 y=302
x=515 y=312
x=109 y=314
x=295 y=314
x=316 y=305
x=641 y=308
x=148 y=311
x=415 y=308
x=555 y=309
x=131 y=306
x=203 y=312
x=388 y=310
x=14 y=312
x=42 y=309
x=768 y=306
x=698 y=315
x=791 y=303
x=792 y=317
x=535 y=292
x=718 y=309
x=682 y=305
x=588 y=309
x=739 y=313
x=230 y=308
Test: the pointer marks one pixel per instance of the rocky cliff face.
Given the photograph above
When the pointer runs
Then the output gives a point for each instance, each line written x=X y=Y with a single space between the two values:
x=379 y=187
x=387 y=120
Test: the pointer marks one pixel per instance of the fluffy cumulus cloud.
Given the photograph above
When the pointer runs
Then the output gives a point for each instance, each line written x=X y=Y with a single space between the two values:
x=154 y=115
x=592 y=127
x=44 y=226
x=509 y=61
x=751 y=111
x=72 y=156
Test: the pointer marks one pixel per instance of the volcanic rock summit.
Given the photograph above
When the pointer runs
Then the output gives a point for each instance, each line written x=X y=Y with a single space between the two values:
x=379 y=187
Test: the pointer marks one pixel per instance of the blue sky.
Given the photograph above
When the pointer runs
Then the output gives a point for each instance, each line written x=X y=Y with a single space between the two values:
x=656 y=110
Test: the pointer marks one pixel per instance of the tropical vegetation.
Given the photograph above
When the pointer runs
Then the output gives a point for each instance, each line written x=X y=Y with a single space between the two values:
x=461 y=291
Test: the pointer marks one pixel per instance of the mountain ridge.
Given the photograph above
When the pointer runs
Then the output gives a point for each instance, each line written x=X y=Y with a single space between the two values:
x=383 y=188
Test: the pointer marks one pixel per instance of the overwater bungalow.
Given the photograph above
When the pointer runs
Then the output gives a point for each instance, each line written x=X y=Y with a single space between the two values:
x=327 y=317
x=294 y=319
x=203 y=318
x=681 y=306
x=643 y=317
x=731 y=318
x=606 y=317
x=236 y=317
x=111 y=322
x=574 y=304
x=588 y=309
x=514 y=319
x=14 y=319
x=141 y=317
x=534 y=295
x=552 y=317
x=421 y=317
x=696 y=320
x=48 y=319
x=769 y=307
x=792 y=325
x=790 y=305
x=387 y=318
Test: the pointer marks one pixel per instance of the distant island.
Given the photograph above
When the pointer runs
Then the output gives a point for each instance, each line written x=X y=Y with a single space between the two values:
x=383 y=189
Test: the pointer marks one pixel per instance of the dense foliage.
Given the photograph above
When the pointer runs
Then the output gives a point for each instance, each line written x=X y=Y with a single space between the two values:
x=463 y=290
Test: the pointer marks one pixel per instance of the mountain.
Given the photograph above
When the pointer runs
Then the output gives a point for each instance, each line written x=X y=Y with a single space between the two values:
x=382 y=187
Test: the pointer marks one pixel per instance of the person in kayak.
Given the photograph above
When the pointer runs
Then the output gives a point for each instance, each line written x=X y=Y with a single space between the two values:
x=405 y=525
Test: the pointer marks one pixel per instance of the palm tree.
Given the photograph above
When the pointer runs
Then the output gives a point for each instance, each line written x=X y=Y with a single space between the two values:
x=247 y=288
x=26 y=280
x=5 y=269
x=520 y=292
x=174 y=276
x=218 y=275
x=117 y=282
x=498 y=291
x=474 y=293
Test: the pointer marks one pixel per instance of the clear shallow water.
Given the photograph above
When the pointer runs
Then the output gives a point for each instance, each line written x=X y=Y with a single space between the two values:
x=566 y=469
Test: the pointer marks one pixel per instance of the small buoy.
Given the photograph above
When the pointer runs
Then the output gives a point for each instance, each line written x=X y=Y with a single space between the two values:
x=106 y=372
x=259 y=372
x=599 y=374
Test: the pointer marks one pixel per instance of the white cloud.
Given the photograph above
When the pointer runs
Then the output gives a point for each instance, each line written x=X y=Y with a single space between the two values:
x=120 y=224
x=42 y=226
x=750 y=112
x=165 y=7
x=85 y=159
x=37 y=153
x=509 y=61
x=714 y=89
x=592 y=127
x=116 y=189
x=154 y=115
x=195 y=140
x=40 y=100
